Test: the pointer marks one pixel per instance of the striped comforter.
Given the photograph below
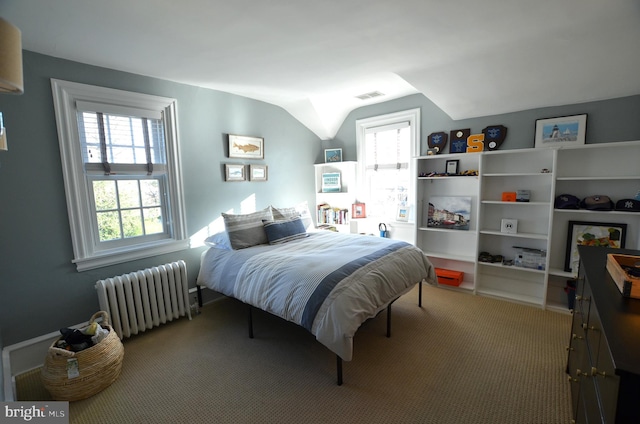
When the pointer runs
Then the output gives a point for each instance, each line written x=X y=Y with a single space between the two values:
x=329 y=283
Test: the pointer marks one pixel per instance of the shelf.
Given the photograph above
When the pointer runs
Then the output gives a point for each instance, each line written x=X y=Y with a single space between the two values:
x=446 y=230
x=500 y=202
x=441 y=255
x=519 y=174
x=512 y=267
x=598 y=178
x=511 y=296
x=590 y=212
x=561 y=273
x=517 y=235
x=448 y=177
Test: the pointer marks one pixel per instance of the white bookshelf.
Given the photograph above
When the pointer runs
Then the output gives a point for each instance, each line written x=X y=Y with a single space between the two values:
x=611 y=169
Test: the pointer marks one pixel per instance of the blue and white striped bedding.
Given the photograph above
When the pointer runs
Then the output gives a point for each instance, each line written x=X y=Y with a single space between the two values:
x=329 y=283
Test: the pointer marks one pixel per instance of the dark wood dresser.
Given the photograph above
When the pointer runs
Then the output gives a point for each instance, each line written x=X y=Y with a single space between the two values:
x=604 y=348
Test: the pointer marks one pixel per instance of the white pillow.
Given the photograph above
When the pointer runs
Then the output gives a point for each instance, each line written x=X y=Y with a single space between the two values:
x=301 y=210
x=219 y=241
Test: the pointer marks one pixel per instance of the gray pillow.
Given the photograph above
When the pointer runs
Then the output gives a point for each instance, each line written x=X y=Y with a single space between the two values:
x=247 y=230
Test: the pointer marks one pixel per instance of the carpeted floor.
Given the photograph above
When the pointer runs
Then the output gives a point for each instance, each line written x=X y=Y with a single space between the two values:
x=459 y=359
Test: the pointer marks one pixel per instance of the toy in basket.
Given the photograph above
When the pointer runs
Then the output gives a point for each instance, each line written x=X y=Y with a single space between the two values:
x=69 y=375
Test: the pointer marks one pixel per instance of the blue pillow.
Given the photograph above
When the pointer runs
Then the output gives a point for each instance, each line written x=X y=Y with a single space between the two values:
x=283 y=231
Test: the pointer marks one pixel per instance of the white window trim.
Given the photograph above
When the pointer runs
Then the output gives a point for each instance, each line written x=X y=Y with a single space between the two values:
x=363 y=126
x=65 y=95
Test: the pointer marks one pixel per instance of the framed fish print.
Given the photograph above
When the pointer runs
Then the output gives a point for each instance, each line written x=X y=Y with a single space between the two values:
x=241 y=146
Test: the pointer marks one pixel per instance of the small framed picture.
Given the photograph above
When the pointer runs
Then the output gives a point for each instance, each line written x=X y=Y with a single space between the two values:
x=452 y=167
x=234 y=172
x=358 y=210
x=403 y=214
x=332 y=155
x=561 y=131
x=246 y=147
x=258 y=172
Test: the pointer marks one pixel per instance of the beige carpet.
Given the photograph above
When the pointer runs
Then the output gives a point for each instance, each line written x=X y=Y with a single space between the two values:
x=459 y=359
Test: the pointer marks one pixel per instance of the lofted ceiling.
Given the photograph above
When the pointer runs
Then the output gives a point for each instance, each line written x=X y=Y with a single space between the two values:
x=313 y=58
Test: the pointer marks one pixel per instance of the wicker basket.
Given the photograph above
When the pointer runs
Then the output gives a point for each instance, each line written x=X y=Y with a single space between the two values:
x=98 y=366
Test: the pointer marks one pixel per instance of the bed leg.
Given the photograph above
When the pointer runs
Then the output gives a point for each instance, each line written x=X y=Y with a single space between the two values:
x=250 y=321
x=199 y=292
x=339 y=369
x=389 y=320
x=420 y=294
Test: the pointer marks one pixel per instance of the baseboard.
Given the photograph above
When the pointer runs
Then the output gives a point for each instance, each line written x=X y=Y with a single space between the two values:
x=25 y=356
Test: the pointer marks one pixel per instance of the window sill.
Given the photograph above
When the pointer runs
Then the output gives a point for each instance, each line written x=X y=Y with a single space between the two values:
x=130 y=254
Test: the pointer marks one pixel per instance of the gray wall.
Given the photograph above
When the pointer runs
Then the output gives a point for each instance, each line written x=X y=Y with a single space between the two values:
x=40 y=289
x=607 y=121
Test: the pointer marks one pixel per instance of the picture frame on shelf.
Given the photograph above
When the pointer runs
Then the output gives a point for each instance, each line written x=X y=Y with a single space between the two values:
x=561 y=131
x=258 y=172
x=449 y=212
x=452 y=167
x=583 y=233
x=244 y=147
x=358 y=210
x=403 y=214
x=332 y=155
x=331 y=182
x=234 y=172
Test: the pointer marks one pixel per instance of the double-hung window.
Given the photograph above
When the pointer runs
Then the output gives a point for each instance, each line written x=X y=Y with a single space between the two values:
x=386 y=145
x=122 y=175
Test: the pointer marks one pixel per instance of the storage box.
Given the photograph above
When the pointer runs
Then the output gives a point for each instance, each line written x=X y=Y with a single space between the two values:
x=530 y=258
x=509 y=196
x=449 y=277
x=628 y=284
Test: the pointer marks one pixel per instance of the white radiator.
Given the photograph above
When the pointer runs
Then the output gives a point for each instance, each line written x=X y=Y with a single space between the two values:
x=145 y=299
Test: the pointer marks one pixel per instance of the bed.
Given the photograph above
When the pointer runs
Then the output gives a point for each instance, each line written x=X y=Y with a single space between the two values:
x=329 y=283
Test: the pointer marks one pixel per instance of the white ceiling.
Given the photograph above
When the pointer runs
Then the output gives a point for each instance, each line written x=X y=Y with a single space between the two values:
x=471 y=58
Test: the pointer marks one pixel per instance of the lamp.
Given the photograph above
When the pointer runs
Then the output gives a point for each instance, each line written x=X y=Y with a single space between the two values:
x=10 y=59
x=10 y=67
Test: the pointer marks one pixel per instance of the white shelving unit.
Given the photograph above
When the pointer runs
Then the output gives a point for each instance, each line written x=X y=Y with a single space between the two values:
x=611 y=169
x=509 y=171
x=342 y=199
x=451 y=249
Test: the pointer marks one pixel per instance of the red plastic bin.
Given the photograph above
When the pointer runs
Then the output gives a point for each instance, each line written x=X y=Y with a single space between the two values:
x=449 y=277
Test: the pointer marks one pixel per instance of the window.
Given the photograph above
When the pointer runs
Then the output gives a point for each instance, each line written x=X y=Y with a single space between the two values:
x=121 y=169
x=386 y=145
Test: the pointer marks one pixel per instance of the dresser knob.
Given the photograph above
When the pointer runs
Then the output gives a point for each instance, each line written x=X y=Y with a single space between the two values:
x=579 y=372
x=575 y=336
x=594 y=372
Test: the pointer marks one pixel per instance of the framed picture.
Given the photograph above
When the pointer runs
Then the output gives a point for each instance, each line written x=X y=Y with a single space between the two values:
x=449 y=212
x=234 y=172
x=403 y=214
x=331 y=182
x=565 y=130
x=258 y=172
x=452 y=167
x=332 y=155
x=246 y=147
x=591 y=234
x=358 y=210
